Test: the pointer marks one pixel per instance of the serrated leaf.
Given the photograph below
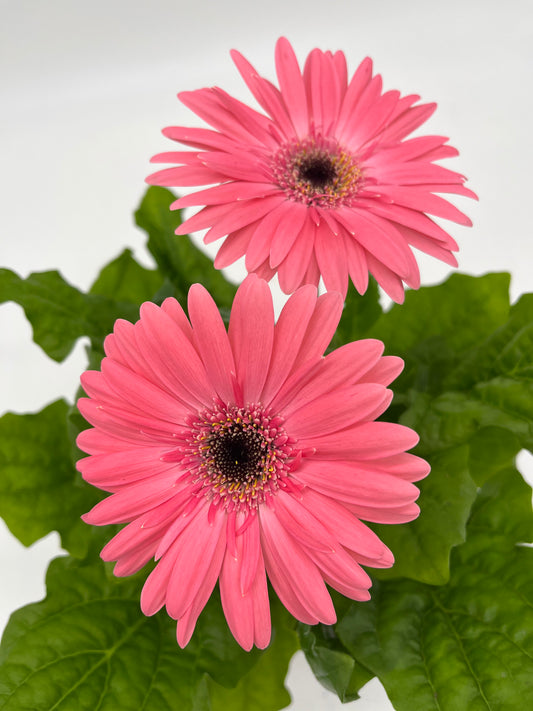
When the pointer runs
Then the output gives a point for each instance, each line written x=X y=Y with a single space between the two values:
x=124 y=279
x=88 y=647
x=59 y=313
x=422 y=548
x=467 y=645
x=40 y=490
x=178 y=259
x=334 y=668
x=262 y=688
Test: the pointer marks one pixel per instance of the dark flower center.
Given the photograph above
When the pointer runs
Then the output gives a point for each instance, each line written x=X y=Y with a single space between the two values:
x=238 y=455
x=318 y=171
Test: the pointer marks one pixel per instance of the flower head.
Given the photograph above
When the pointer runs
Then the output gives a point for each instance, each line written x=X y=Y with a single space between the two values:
x=321 y=184
x=241 y=454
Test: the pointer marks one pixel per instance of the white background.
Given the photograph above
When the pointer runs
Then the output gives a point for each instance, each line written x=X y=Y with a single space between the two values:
x=87 y=86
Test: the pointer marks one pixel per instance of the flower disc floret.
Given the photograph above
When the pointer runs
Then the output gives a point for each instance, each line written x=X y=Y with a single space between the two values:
x=317 y=172
x=239 y=455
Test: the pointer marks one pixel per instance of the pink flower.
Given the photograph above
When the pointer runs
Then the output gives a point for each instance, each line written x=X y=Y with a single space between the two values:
x=238 y=455
x=324 y=184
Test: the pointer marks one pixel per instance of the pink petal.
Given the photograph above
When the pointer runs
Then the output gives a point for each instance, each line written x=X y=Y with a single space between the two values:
x=225 y=220
x=404 y=465
x=402 y=514
x=134 y=561
x=416 y=199
x=410 y=218
x=354 y=483
x=358 y=83
x=385 y=371
x=389 y=281
x=129 y=426
x=294 y=216
x=259 y=248
x=374 y=119
x=192 y=573
x=346 y=364
x=369 y=96
x=207 y=104
x=295 y=576
x=323 y=89
x=321 y=328
x=349 y=531
x=211 y=341
x=340 y=569
x=123 y=467
x=234 y=246
x=173 y=309
x=251 y=334
x=292 y=269
x=240 y=607
x=259 y=126
x=238 y=165
x=357 y=265
x=303 y=525
x=94 y=441
x=404 y=151
x=337 y=409
x=183 y=176
x=227 y=192
x=289 y=332
x=368 y=440
x=331 y=259
x=154 y=591
x=129 y=539
x=203 y=138
x=131 y=501
x=406 y=122
x=380 y=238
x=172 y=357
x=427 y=245
x=292 y=86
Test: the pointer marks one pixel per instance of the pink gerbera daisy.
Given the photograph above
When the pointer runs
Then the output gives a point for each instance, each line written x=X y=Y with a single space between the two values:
x=238 y=455
x=324 y=184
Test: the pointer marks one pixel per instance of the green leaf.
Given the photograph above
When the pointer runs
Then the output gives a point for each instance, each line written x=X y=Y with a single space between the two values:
x=40 y=490
x=491 y=450
x=453 y=418
x=469 y=644
x=178 y=259
x=332 y=665
x=124 y=279
x=457 y=313
x=422 y=548
x=88 y=647
x=506 y=352
x=262 y=688
x=59 y=313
